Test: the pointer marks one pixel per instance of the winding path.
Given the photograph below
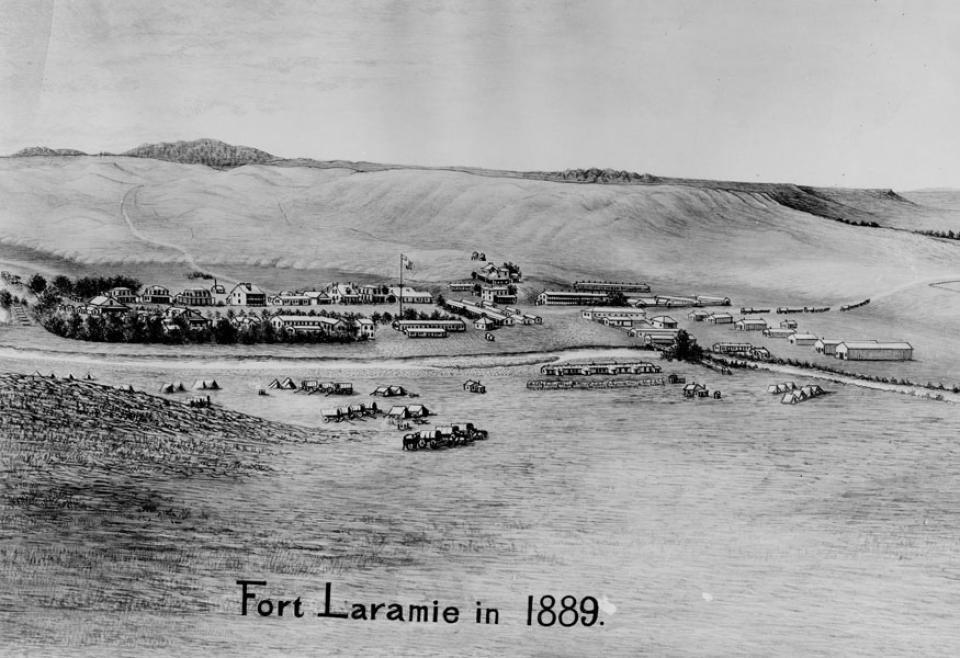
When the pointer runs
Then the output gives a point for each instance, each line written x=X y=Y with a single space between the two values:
x=187 y=257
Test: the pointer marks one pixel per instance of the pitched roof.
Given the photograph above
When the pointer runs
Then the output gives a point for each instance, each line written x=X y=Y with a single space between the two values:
x=248 y=288
x=876 y=345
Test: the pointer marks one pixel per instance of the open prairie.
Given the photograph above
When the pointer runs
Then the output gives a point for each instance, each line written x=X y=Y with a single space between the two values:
x=719 y=519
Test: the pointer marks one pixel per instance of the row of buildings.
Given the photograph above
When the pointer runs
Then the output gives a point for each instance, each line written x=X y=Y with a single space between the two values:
x=249 y=294
x=849 y=350
x=658 y=331
x=594 y=295
x=427 y=328
x=856 y=350
x=488 y=315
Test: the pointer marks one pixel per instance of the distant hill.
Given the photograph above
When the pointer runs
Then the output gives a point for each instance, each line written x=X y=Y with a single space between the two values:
x=709 y=236
x=209 y=152
x=34 y=151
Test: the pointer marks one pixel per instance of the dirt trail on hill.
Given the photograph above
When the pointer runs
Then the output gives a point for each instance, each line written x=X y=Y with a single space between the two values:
x=187 y=256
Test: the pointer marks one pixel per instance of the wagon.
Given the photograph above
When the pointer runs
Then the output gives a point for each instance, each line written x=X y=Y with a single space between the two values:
x=331 y=415
x=446 y=436
x=489 y=336
x=422 y=440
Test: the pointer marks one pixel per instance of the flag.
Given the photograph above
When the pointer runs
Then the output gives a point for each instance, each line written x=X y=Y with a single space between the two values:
x=407 y=263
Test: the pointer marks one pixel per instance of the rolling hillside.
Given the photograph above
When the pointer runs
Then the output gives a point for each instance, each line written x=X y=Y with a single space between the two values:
x=707 y=235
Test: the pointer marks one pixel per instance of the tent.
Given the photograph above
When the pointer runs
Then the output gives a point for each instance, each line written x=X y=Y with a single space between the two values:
x=206 y=385
x=398 y=411
x=172 y=387
x=417 y=411
x=389 y=391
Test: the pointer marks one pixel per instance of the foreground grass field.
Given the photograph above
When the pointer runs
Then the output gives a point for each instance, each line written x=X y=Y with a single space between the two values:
x=706 y=515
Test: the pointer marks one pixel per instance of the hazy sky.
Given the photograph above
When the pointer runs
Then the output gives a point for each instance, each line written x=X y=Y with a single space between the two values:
x=855 y=93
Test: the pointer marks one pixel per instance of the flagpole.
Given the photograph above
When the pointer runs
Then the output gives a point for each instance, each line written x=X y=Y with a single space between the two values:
x=400 y=295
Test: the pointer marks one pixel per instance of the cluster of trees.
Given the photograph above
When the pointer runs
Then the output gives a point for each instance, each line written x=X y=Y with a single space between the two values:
x=594 y=175
x=949 y=235
x=684 y=348
x=616 y=298
x=135 y=327
x=7 y=300
x=210 y=152
x=414 y=314
x=855 y=223
x=91 y=286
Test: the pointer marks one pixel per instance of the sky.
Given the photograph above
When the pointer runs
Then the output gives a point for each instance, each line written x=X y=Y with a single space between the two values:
x=850 y=93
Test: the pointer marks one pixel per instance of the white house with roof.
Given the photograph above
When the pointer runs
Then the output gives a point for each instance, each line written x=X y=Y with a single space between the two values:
x=411 y=296
x=570 y=298
x=344 y=293
x=601 y=312
x=750 y=324
x=317 y=298
x=775 y=332
x=802 y=339
x=874 y=350
x=219 y=293
x=123 y=295
x=194 y=297
x=364 y=329
x=103 y=305
x=663 y=322
x=288 y=298
x=497 y=295
x=305 y=324
x=155 y=295
x=827 y=346
x=653 y=336
x=247 y=294
x=719 y=318
x=194 y=319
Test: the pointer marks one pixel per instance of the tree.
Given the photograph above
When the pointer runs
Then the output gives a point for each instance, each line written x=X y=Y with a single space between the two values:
x=616 y=298
x=63 y=285
x=685 y=348
x=224 y=332
x=37 y=284
x=267 y=333
x=6 y=299
x=93 y=328
x=113 y=329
